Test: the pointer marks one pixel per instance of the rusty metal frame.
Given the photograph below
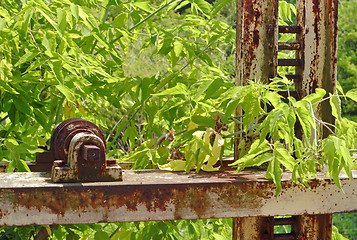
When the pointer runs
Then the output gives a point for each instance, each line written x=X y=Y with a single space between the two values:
x=315 y=67
x=30 y=198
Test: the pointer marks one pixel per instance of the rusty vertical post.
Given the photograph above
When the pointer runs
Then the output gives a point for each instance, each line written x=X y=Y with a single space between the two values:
x=318 y=40
x=253 y=228
x=256 y=59
x=256 y=43
x=257 y=40
x=313 y=227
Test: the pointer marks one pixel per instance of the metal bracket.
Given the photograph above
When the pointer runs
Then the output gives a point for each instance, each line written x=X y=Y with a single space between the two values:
x=78 y=154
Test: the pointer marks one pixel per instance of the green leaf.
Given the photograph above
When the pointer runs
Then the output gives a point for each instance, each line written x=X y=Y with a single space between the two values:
x=274 y=172
x=42 y=119
x=315 y=97
x=57 y=67
x=339 y=88
x=120 y=20
x=101 y=235
x=255 y=150
x=284 y=157
x=178 y=47
x=209 y=168
x=203 y=6
x=251 y=106
x=28 y=56
x=21 y=104
x=335 y=103
x=22 y=166
x=66 y=92
x=12 y=166
x=75 y=11
x=11 y=143
x=165 y=46
x=352 y=94
x=203 y=121
x=175 y=165
x=305 y=117
x=273 y=97
x=179 y=89
x=218 y=5
x=144 y=6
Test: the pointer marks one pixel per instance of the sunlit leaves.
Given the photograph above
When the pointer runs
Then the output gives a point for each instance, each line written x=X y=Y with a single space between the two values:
x=200 y=154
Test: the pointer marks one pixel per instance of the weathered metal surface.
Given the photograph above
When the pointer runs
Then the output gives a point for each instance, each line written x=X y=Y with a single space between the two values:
x=86 y=162
x=64 y=132
x=318 y=19
x=256 y=45
x=284 y=221
x=289 y=62
x=78 y=149
x=29 y=198
x=289 y=29
x=294 y=77
x=285 y=236
x=257 y=40
x=289 y=46
x=318 y=39
x=248 y=228
x=303 y=227
x=314 y=227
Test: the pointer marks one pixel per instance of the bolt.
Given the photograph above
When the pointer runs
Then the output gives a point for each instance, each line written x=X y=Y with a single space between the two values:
x=90 y=152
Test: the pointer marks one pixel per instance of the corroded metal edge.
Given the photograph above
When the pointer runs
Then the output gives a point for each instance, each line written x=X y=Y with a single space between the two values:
x=29 y=198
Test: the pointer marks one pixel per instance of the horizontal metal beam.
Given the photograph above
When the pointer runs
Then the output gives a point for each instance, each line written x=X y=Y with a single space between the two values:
x=289 y=46
x=289 y=62
x=289 y=29
x=145 y=195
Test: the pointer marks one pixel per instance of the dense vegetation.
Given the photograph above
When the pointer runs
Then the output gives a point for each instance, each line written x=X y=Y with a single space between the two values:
x=139 y=69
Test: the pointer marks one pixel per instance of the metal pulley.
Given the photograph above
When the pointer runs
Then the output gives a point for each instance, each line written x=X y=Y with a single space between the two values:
x=78 y=148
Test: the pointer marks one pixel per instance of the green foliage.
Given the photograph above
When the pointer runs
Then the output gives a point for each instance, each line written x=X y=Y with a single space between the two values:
x=346 y=224
x=347 y=52
x=69 y=59
x=280 y=147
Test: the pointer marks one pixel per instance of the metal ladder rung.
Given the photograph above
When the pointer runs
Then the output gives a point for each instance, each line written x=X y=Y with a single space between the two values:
x=289 y=46
x=289 y=62
x=289 y=29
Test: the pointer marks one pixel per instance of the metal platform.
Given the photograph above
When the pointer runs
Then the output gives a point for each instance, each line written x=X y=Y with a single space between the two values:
x=146 y=195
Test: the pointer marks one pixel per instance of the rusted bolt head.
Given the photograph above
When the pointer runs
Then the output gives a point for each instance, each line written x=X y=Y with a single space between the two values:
x=58 y=163
x=111 y=162
x=90 y=152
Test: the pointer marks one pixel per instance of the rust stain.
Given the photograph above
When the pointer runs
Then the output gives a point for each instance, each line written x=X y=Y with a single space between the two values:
x=196 y=197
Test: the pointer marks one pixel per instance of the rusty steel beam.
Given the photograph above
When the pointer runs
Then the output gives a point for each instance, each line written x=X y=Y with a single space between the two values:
x=289 y=46
x=284 y=236
x=289 y=62
x=294 y=77
x=285 y=221
x=287 y=94
x=289 y=29
x=146 y=195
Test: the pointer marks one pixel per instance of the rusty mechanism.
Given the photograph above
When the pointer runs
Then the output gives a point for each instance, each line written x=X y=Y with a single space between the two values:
x=78 y=148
